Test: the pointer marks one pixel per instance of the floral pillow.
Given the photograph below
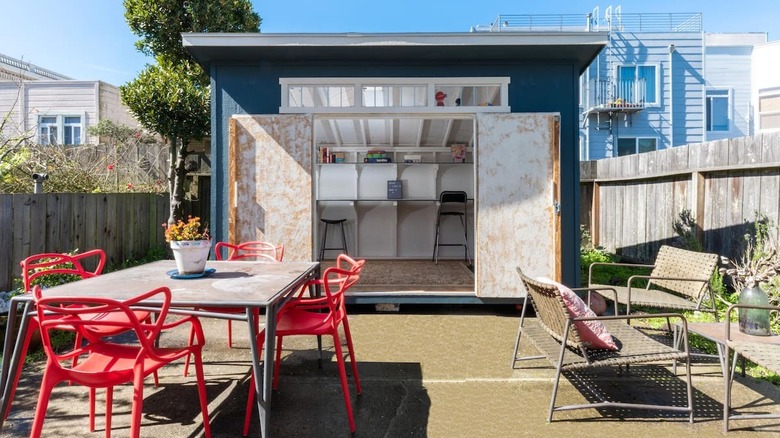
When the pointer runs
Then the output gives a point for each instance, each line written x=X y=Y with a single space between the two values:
x=593 y=333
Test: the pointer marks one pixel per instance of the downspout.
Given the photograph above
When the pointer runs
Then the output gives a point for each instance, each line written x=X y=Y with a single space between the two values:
x=671 y=96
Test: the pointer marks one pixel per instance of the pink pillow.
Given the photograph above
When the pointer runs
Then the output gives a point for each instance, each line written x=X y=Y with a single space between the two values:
x=593 y=333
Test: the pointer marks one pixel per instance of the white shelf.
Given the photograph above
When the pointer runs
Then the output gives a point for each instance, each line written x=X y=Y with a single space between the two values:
x=387 y=228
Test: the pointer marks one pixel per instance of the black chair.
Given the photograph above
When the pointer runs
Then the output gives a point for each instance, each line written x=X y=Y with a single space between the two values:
x=452 y=203
x=323 y=248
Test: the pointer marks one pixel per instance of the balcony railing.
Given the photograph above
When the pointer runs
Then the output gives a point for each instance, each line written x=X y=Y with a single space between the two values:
x=608 y=96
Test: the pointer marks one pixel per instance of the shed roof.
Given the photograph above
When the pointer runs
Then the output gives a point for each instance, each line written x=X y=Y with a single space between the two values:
x=210 y=48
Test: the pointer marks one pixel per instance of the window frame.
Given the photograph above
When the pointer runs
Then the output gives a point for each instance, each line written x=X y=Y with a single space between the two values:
x=763 y=94
x=498 y=85
x=636 y=145
x=708 y=99
x=60 y=127
x=656 y=81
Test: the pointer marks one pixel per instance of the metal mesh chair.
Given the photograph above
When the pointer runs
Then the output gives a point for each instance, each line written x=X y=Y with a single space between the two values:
x=555 y=335
x=452 y=204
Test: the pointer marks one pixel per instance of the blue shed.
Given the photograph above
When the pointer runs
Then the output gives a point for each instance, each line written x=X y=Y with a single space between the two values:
x=372 y=128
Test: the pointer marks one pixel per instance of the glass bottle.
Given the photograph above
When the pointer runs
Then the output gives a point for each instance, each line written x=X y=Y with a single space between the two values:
x=754 y=321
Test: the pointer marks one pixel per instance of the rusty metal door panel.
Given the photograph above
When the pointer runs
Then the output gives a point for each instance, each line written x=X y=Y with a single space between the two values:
x=270 y=177
x=517 y=174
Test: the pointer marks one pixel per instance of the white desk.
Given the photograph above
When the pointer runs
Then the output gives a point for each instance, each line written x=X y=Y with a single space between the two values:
x=252 y=285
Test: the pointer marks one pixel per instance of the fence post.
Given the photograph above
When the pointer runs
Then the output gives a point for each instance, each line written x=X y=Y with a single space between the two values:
x=697 y=203
x=595 y=215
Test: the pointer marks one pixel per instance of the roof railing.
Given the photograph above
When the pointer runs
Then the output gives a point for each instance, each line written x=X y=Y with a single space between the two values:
x=644 y=22
x=32 y=68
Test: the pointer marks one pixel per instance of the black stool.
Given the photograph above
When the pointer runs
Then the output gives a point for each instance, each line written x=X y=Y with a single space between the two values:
x=452 y=203
x=343 y=246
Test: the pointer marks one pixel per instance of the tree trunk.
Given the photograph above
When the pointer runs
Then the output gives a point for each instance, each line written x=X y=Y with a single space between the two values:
x=176 y=174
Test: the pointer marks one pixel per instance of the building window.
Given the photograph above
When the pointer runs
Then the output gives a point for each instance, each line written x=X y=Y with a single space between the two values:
x=72 y=130
x=717 y=110
x=60 y=130
x=636 y=84
x=634 y=145
x=769 y=110
x=47 y=129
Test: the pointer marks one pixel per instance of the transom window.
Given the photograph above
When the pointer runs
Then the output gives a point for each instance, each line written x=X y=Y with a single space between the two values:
x=351 y=95
x=60 y=129
x=636 y=84
x=636 y=145
x=717 y=112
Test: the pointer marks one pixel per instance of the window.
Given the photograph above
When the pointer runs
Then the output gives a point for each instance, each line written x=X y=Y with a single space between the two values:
x=636 y=84
x=634 y=145
x=47 y=128
x=392 y=95
x=60 y=130
x=399 y=95
x=717 y=110
x=72 y=130
x=769 y=110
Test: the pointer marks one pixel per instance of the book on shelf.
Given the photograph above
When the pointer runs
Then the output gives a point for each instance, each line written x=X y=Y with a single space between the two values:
x=324 y=156
x=337 y=157
x=412 y=158
x=395 y=189
x=377 y=160
x=458 y=152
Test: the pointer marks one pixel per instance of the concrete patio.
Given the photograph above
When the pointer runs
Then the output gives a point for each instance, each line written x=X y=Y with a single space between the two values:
x=426 y=372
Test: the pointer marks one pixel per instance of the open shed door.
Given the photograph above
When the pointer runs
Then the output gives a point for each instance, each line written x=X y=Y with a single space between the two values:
x=517 y=174
x=270 y=180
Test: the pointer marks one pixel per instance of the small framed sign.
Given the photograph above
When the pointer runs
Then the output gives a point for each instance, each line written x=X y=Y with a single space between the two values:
x=395 y=189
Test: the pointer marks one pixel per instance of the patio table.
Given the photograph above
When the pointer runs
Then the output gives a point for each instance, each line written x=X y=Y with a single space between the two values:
x=252 y=285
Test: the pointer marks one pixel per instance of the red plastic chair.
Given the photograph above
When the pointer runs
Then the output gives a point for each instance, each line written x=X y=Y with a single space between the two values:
x=104 y=363
x=317 y=316
x=254 y=250
x=69 y=267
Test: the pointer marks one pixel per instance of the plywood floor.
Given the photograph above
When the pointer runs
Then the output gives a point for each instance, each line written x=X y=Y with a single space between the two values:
x=413 y=275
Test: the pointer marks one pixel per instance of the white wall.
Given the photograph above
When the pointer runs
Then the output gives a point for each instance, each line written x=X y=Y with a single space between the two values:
x=728 y=66
x=766 y=79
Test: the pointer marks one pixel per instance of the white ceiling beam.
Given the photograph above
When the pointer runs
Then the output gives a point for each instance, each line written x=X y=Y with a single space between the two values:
x=361 y=130
x=447 y=132
x=420 y=126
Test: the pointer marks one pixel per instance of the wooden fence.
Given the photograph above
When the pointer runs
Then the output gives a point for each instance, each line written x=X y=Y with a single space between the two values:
x=630 y=203
x=125 y=225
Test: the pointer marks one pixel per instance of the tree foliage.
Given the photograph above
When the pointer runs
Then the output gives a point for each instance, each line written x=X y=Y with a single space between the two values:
x=160 y=23
x=172 y=97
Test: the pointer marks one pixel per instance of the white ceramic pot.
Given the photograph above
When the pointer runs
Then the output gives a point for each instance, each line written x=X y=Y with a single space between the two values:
x=190 y=255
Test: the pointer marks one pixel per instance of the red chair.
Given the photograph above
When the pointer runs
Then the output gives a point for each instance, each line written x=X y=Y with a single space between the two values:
x=254 y=250
x=248 y=251
x=317 y=316
x=62 y=268
x=104 y=363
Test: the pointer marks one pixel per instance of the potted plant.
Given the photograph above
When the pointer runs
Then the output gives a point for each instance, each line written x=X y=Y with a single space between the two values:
x=759 y=265
x=190 y=244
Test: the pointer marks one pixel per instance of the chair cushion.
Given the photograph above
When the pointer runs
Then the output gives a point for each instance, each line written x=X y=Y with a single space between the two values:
x=593 y=333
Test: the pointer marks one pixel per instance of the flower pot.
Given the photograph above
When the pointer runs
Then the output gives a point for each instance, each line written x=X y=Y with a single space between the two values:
x=754 y=321
x=190 y=255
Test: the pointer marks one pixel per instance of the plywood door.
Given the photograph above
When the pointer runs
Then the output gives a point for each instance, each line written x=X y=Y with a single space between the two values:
x=270 y=177
x=517 y=174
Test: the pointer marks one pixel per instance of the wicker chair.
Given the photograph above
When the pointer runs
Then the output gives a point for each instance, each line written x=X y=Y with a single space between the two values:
x=680 y=280
x=555 y=335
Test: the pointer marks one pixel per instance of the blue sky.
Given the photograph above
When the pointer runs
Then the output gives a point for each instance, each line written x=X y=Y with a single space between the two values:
x=90 y=40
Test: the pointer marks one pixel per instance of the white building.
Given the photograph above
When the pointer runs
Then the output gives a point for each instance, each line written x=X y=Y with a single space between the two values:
x=54 y=108
x=766 y=86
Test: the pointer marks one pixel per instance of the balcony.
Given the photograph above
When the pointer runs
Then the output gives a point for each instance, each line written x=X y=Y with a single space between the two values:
x=607 y=96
